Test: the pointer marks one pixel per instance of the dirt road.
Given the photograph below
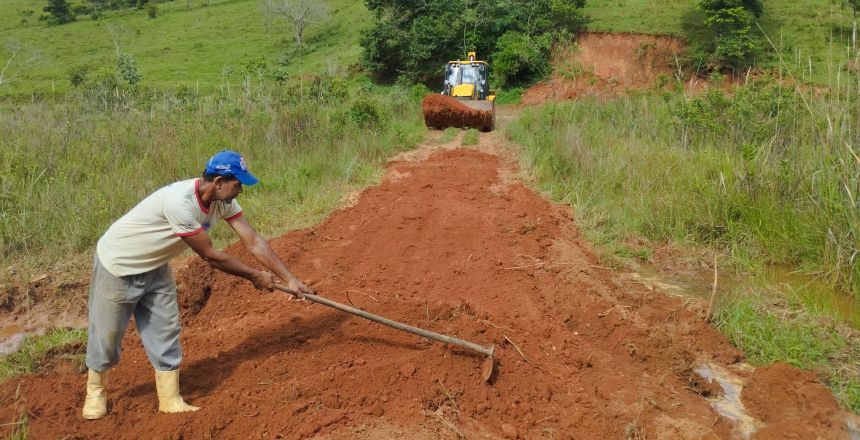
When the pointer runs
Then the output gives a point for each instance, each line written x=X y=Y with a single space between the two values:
x=450 y=241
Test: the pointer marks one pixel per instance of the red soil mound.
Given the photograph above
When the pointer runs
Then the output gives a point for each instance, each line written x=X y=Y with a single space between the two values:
x=445 y=244
x=442 y=111
x=768 y=395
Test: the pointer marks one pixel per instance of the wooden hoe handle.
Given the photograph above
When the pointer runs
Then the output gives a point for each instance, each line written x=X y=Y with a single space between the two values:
x=399 y=326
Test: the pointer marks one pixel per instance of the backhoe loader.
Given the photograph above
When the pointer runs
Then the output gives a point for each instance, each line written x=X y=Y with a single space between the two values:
x=471 y=103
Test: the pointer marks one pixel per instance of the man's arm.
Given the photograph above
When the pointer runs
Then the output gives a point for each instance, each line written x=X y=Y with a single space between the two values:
x=260 y=249
x=202 y=245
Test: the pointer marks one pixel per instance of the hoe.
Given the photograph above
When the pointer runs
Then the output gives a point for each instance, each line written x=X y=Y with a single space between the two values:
x=486 y=366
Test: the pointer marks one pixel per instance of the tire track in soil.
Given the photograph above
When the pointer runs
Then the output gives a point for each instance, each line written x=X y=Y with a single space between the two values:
x=450 y=241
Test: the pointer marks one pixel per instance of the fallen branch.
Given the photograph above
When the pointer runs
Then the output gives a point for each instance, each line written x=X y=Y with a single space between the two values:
x=602 y=314
x=356 y=291
x=523 y=267
x=708 y=316
x=447 y=423
x=490 y=323
x=521 y=353
x=601 y=267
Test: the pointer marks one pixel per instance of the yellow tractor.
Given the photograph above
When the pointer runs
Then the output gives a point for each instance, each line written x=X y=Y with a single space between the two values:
x=468 y=82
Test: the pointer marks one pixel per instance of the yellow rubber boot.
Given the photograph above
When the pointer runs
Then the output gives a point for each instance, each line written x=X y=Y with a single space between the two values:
x=95 y=406
x=169 y=400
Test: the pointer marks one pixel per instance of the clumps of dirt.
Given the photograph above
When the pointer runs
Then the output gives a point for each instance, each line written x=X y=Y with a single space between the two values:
x=44 y=302
x=770 y=390
x=193 y=292
x=702 y=386
x=442 y=111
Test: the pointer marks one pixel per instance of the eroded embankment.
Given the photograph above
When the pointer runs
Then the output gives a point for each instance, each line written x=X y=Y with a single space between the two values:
x=608 y=64
x=449 y=244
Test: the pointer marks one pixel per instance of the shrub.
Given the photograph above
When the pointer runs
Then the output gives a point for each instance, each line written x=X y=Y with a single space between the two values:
x=78 y=75
x=59 y=12
x=419 y=91
x=722 y=36
x=82 y=9
x=366 y=113
x=151 y=10
x=519 y=56
x=126 y=67
x=280 y=74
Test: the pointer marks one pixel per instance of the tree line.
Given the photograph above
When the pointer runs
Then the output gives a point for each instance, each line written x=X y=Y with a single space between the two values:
x=61 y=11
x=409 y=39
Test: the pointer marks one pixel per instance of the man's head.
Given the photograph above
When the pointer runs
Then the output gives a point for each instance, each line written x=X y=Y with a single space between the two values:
x=228 y=171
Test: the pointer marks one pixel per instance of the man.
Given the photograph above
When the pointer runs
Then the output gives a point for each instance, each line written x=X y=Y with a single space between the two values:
x=132 y=276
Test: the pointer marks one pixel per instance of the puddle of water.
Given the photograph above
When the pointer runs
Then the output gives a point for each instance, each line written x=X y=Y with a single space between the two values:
x=729 y=404
x=12 y=330
x=815 y=293
x=853 y=427
x=11 y=338
x=654 y=282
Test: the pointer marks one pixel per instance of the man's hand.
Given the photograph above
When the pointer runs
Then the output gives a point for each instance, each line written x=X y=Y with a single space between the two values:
x=298 y=288
x=263 y=280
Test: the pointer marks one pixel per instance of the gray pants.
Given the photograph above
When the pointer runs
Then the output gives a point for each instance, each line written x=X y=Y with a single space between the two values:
x=151 y=298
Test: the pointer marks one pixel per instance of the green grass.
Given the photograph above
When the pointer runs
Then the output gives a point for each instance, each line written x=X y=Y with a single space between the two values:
x=35 y=350
x=448 y=135
x=752 y=174
x=756 y=175
x=815 y=32
x=657 y=17
x=69 y=168
x=769 y=329
x=470 y=137
x=202 y=46
x=510 y=96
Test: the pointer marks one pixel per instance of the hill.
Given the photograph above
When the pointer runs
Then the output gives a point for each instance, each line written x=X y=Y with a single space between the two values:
x=187 y=43
x=205 y=43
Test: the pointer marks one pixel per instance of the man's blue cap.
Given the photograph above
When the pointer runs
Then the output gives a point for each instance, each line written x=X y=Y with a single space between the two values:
x=231 y=163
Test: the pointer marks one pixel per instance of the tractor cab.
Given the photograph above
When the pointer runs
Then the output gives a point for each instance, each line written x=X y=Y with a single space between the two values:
x=468 y=79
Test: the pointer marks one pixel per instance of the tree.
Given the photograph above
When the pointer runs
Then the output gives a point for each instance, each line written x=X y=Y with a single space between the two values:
x=732 y=43
x=411 y=38
x=126 y=68
x=20 y=59
x=59 y=12
x=298 y=13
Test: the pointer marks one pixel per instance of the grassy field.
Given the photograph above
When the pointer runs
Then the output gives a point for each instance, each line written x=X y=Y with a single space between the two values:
x=187 y=43
x=204 y=43
x=70 y=168
x=812 y=34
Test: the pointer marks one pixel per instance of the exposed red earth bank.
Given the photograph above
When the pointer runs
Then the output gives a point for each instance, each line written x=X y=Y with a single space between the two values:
x=452 y=242
x=606 y=64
